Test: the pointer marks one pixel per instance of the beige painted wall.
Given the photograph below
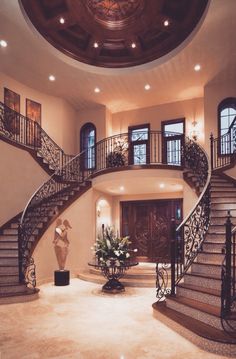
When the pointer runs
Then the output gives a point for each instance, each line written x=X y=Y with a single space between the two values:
x=58 y=117
x=190 y=109
x=213 y=95
x=81 y=216
x=20 y=176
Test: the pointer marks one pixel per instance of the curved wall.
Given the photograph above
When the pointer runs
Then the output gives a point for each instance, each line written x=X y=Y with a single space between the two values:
x=20 y=176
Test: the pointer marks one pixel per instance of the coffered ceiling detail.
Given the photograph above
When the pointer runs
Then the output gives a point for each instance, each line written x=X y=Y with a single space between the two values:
x=126 y=33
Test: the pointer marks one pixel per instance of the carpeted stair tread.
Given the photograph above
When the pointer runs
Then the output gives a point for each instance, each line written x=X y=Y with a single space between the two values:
x=203 y=307
x=204 y=290
x=201 y=329
x=203 y=275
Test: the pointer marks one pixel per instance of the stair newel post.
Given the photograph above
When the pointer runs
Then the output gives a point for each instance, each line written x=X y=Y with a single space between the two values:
x=211 y=149
x=173 y=255
x=228 y=245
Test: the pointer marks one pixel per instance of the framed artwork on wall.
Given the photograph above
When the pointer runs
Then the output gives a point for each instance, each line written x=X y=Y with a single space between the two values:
x=12 y=99
x=33 y=111
x=12 y=119
x=33 y=132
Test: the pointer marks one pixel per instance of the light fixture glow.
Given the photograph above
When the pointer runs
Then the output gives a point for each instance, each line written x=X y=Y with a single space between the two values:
x=147 y=87
x=97 y=90
x=95 y=45
x=197 y=67
x=62 y=20
x=161 y=185
x=3 y=43
x=166 y=23
x=51 y=78
x=133 y=45
x=122 y=188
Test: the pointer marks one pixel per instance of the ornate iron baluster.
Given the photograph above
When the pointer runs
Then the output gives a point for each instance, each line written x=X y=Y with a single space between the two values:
x=228 y=294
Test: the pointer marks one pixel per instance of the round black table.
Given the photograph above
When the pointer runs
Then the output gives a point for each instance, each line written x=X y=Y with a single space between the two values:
x=113 y=272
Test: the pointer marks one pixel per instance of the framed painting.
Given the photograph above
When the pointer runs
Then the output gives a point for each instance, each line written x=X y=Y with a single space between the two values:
x=12 y=99
x=33 y=114
x=12 y=118
x=33 y=111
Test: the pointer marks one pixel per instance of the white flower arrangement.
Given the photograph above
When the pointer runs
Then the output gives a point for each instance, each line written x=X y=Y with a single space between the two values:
x=111 y=248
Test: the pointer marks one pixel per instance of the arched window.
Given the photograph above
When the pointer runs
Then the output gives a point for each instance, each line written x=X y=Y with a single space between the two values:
x=87 y=144
x=227 y=125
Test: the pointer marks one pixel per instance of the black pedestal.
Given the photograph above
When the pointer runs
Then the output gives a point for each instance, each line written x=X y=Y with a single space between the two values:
x=61 y=277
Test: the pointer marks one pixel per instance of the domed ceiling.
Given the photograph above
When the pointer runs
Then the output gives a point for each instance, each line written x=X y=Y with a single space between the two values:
x=115 y=34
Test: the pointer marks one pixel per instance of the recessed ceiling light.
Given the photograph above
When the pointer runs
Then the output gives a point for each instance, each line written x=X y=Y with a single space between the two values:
x=162 y=185
x=62 y=20
x=51 y=78
x=147 y=87
x=95 y=45
x=97 y=89
x=197 y=67
x=3 y=43
x=166 y=23
x=122 y=188
x=133 y=45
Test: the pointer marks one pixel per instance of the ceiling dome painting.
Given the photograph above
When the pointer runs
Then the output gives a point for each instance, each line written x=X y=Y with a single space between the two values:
x=115 y=34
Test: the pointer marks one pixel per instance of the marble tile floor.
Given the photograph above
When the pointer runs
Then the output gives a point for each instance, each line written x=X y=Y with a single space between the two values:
x=81 y=322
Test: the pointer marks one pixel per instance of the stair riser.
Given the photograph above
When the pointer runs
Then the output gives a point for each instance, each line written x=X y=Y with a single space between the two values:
x=8 y=245
x=195 y=313
x=223 y=191
x=210 y=258
x=10 y=231
x=231 y=199
x=205 y=282
x=214 y=247
x=215 y=237
x=216 y=229
x=223 y=206
x=14 y=225
x=9 y=261
x=9 y=270
x=225 y=194
x=222 y=213
x=199 y=296
x=129 y=275
x=8 y=279
x=8 y=253
x=206 y=269
x=16 y=289
x=218 y=221
x=8 y=238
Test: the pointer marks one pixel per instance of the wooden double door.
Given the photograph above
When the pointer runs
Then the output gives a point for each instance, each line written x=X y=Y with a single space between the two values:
x=148 y=224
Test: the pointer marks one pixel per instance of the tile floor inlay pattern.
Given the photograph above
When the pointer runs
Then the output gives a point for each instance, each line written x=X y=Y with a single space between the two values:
x=81 y=322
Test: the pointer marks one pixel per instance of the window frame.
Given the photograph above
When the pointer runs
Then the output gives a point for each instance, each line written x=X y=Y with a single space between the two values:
x=228 y=102
x=174 y=137
x=86 y=127
x=138 y=142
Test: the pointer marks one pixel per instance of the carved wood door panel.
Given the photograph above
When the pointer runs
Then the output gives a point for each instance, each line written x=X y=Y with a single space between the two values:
x=148 y=225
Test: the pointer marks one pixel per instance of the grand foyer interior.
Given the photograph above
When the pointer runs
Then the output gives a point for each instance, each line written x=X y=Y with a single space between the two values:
x=118 y=116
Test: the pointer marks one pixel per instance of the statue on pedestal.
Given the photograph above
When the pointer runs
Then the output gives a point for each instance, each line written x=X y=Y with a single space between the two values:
x=61 y=242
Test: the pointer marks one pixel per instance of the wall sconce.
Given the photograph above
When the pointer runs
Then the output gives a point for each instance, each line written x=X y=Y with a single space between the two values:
x=194 y=133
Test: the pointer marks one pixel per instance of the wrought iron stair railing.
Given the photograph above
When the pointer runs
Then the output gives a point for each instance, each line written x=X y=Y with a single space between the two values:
x=223 y=148
x=24 y=132
x=187 y=239
x=228 y=280
x=45 y=205
x=109 y=153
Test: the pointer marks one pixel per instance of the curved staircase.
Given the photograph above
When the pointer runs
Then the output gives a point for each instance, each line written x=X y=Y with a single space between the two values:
x=197 y=300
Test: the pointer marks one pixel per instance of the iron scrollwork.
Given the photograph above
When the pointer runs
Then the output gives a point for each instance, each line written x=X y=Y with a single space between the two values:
x=162 y=281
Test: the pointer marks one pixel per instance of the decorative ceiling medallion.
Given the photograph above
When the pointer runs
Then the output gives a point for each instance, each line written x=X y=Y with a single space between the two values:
x=115 y=26
x=111 y=10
